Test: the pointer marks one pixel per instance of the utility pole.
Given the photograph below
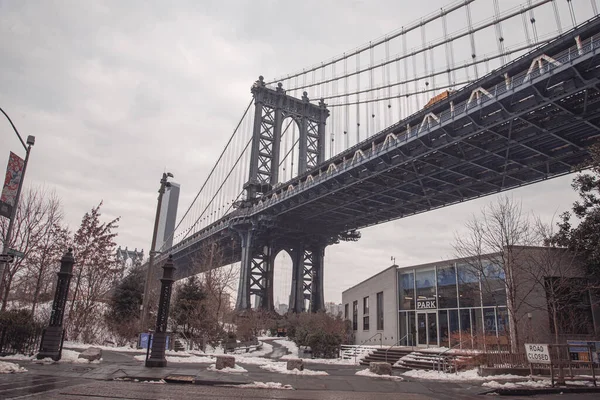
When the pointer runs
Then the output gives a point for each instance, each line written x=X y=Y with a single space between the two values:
x=164 y=183
x=13 y=213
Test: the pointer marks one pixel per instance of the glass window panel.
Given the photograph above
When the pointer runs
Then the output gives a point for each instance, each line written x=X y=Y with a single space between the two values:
x=412 y=329
x=406 y=283
x=444 y=329
x=403 y=328
x=432 y=329
x=489 y=321
x=492 y=284
x=425 y=280
x=446 y=279
x=465 y=323
x=468 y=287
x=380 y=311
x=454 y=327
x=355 y=315
x=477 y=325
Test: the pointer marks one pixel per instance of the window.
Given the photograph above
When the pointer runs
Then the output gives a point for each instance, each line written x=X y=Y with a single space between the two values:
x=380 y=311
x=366 y=306
x=468 y=287
x=346 y=315
x=366 y=323
x=355 y=315
x=406 y=283
x=493 y=289
x=425 y=280
x=446 y=279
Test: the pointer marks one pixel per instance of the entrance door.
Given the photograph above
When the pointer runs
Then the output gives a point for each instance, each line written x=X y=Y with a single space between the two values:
x=427 y=329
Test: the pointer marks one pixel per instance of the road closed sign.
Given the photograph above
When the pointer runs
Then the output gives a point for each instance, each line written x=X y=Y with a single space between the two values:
x=537 y=353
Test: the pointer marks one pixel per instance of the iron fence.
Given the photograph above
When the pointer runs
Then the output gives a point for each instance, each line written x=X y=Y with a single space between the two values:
x=19 y=339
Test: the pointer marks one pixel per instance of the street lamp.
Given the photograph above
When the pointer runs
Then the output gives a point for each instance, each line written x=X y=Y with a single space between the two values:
x=164 y=183
x=27 y=147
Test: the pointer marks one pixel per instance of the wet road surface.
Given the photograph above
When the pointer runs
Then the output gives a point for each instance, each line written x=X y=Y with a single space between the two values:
x=20 y=385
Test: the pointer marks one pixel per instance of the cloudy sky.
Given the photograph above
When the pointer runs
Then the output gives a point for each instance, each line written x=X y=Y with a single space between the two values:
x=118 y=92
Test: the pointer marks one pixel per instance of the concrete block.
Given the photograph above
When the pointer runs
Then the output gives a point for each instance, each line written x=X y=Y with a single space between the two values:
x=380 y=368
x=91 y=354
x=225 y=362
x=295 y=363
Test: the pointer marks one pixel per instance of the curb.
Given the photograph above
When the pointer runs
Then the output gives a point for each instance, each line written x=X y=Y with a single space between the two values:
x=183 y=379
x=536 y=391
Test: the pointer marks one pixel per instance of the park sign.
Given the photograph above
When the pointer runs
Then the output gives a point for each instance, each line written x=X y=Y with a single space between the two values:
x=537 y=353
x=12 y=180
x=427 y=304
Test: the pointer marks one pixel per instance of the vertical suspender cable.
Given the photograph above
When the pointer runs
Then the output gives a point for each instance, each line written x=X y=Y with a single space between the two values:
x=572 y=11
x=294 y=126
x=405 y=86
x=449 y=63
x=334 y=91
x=358 y=98
x=346 y=108
x=525 y=28
x=371 y=121
x=472 y=37
x=499 y=34
x=425 y=64
x=594 y=7
x=416 y=83
x=399 y=96
x=557 y=17
x=388 y=113
x=532 y=20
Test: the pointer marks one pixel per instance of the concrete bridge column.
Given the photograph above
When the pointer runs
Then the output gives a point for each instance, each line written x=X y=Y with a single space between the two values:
x=297 y=289
x=243 y=295
x=317 y=299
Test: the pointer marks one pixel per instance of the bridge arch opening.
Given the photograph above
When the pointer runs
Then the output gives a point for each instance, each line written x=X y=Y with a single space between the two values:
x=282 y=281
x=289 y=149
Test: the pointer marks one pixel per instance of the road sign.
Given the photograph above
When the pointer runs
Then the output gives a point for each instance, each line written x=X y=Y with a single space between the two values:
x=537 y=353
x=6 y=258
x=15 y=253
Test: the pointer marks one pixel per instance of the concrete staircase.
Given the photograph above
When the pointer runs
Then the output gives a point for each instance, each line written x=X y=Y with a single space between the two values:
x=380 y=355
x=408 y=358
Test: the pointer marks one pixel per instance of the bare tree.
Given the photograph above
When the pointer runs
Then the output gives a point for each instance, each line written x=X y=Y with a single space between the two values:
x=38 y=214
x=492 y=247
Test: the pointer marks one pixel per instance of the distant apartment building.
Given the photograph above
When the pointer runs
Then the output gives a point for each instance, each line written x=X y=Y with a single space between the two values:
x=334 y=309
x=167 y=217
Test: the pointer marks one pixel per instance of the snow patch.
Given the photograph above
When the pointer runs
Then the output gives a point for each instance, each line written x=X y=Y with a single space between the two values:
x=265 y=349
x=70 y=356
x=290 y=346
x=470 y=375
x=18 y=357
x=192 y=359
x=281 y=368
x=235 y=370
x=10 y=368
x=544 y=383
x=266 y=385
x=366 y=372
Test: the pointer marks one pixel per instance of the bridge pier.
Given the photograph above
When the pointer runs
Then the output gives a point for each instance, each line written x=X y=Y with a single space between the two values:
x=243 y=294
x=307 y=277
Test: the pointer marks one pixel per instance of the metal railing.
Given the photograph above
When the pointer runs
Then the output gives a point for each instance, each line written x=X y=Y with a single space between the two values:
x=442 y=358
x=395 y=344
x=364 y=341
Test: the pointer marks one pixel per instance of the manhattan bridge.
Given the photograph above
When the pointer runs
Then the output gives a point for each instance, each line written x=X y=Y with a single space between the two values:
x=468 y=101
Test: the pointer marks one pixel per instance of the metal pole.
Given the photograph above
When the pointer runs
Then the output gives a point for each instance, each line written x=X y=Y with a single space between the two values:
x=144 y=314
x=13 y=213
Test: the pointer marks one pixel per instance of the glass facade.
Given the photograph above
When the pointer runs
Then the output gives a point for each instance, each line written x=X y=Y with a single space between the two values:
x=452 y=304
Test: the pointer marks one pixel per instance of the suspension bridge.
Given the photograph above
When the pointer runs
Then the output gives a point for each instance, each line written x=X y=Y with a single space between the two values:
x=419 y=119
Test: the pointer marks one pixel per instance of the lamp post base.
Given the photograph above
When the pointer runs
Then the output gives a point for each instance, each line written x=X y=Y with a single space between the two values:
x=157 y=357
x=51 y=343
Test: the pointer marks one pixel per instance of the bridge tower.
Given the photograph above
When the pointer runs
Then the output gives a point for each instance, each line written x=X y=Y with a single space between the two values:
x=259 y=246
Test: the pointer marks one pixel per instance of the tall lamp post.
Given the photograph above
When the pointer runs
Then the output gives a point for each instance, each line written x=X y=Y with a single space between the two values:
x=13 y=213
x=164 y=183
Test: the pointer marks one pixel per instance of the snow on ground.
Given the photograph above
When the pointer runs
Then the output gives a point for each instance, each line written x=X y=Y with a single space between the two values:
x=530 y=384
x=471 y=375
x=266 y=385
x=254 y=360
x=70 y=356
x=282 y=369
x=181 y=359
x=291 y=346
x=10 y=368
x=366 y=372
x=83 y=346
x=17 y=357
x=235 y=370
x=265 y=349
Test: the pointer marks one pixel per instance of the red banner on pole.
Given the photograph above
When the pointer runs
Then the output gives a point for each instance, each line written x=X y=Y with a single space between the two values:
x=14 y=173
